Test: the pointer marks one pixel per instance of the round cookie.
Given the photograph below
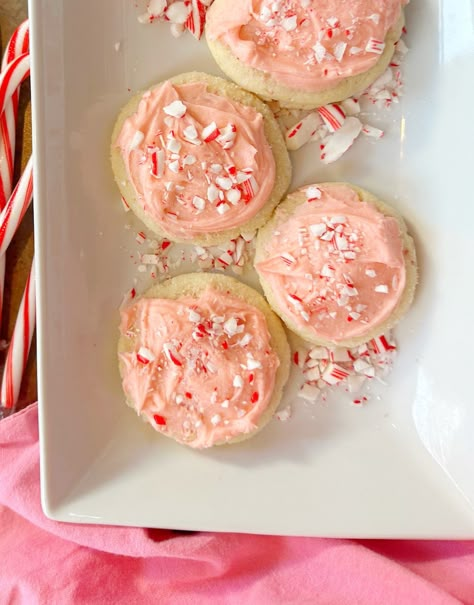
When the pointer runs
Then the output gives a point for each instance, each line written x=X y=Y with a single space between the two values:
x=171 y=344
x=337 y=264
x=321 y=54
x=199 y=160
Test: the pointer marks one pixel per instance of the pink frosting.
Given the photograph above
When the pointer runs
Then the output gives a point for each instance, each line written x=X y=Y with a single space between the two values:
x=307 y=44
x=190 y=177
x=203 y=370
x=336 y=266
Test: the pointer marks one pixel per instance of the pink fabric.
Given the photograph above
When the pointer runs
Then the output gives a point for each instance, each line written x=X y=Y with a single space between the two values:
x=44 y=562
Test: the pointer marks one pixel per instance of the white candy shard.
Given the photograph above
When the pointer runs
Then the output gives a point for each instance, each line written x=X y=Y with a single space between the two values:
x=199 y=203
x=136 y=140
x=178 y=12
x=339 y=51
x=156 y=8
x=371 y=131
x=313 y=193
x=309 y=392
x=350 y=106
x=176 y=109
x=289 y=23
x=319 y=52
x=341 y=141
x=224 y=182
x=194 y=316
x=300 y=134
x=190 y=132
x=238 y=382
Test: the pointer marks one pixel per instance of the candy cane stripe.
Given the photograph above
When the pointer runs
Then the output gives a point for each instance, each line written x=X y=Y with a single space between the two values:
x=12 y=215
x=20 y=345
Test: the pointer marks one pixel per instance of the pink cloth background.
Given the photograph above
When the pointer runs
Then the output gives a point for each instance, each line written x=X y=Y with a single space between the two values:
x=44 y=562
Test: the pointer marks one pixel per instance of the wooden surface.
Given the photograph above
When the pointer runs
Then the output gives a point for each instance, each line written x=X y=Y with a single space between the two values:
x=20 y=252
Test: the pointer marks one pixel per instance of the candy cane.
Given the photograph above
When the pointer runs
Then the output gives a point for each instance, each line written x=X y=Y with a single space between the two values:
x=10 y=219
x=20 y=345
x=18 y=45
x=14 y=211
x=10 y=79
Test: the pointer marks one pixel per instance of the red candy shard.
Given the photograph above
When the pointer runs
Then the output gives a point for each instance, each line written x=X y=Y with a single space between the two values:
x=159 y=420
x=254 y=397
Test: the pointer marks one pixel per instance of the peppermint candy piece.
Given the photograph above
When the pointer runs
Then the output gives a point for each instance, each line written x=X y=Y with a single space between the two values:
x=341 y=141
x=350 y=106
x=196 y=19
x=178 y=12
x=156 y=8
x=301 y=133
x=145 y=356
x=176 y=109
x=375 y=46
x=333 y=116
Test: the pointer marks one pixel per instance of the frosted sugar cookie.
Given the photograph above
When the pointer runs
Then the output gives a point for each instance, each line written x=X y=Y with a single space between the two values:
x=337 y=264
x=199 y=160
x=203 y=359
x=304 y=53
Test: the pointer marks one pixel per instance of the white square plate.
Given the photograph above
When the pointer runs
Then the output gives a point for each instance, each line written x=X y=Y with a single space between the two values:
x=399 y=467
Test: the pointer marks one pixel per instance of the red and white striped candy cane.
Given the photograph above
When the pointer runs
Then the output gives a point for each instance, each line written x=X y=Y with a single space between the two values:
x=15 y=69
x=10 y=219
x=15 y=209
x=19 y=345
x=17 y=46
x=15 y=73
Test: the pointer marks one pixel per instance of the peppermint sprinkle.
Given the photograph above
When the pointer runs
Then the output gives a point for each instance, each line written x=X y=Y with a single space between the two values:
x=253 y=364
x=238 y=382
x=313 y=193
x=339 y=51
x=199 y=203
x=194 y=316
x=176 y=109
x=382 y=288
x=145 y=356
x=375 y=46
x=319 y=52
x=190 y=133
x=289 y=23
x=136 y=140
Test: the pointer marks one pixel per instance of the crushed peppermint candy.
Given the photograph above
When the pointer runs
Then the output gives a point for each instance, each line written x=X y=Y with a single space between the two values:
x=325 y=368
x=325 y=123
x=160 y=259
x=181 y=15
